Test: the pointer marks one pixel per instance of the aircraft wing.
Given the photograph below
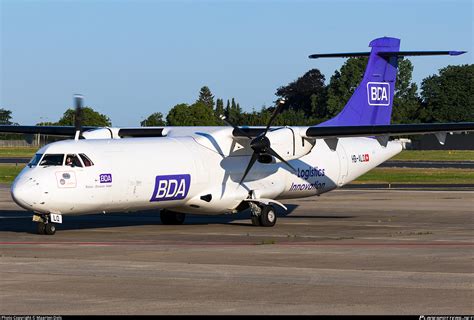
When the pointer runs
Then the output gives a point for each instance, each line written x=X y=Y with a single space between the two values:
x=71 y=130
x=314 y=132
x=390 y=130
x=324 y=132
x=49 y=130
x=383 y=132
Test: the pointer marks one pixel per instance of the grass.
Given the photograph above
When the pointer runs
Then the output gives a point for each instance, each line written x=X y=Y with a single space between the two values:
x=378 y=175
x=416 y=175
x=435 y=155
x=9 y=172
x=9 y=152
x=405 y=155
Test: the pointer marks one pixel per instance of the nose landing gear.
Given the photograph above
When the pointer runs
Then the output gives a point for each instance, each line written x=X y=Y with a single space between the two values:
x=45 y=226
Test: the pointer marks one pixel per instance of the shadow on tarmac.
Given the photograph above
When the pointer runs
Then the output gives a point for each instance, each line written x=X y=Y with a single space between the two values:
x=20 y=220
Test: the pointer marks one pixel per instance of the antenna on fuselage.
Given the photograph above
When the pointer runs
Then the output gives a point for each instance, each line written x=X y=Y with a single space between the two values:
x=78 y=100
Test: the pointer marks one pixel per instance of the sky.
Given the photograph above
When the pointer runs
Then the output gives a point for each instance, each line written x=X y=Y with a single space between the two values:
x=132 y=58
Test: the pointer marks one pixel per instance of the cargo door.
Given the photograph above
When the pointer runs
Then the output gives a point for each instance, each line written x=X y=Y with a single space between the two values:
x=343 y=164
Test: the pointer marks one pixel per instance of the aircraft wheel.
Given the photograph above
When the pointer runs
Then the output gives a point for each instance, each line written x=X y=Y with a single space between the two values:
x=172 y=218
x=41 y=228
x=50 y=229
x=255 y=221
x=268 y=216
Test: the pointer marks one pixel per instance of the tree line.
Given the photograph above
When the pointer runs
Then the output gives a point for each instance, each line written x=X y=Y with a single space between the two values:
x=444 y=97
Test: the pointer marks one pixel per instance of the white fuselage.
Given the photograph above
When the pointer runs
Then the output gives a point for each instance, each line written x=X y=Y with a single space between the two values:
x=195 y=172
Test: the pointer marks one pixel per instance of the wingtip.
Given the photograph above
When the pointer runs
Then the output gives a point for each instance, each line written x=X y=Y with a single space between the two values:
x=456 y=53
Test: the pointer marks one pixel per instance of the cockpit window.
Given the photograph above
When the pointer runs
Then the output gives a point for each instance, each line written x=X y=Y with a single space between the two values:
x=73 y=161
x=35 y=160
x=86 y=160
x=52 y=160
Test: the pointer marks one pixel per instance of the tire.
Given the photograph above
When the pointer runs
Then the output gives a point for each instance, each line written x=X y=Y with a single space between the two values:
x=268 y=217
x=41 y=228
x=172 y=218
x=255 y=221
x=50 y=229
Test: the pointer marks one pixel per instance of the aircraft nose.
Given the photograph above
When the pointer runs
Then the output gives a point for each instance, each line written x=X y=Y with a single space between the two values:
x=26 y=193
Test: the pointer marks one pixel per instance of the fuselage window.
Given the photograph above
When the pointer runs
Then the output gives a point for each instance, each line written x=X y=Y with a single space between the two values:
x=86 y=160
x=52 y=160
x=35 y=160
x=73 y=161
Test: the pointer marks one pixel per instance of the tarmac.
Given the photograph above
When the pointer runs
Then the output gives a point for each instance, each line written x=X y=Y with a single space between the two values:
x=346 y=252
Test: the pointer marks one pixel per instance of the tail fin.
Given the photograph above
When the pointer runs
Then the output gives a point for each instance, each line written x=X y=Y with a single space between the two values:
x=371 y=103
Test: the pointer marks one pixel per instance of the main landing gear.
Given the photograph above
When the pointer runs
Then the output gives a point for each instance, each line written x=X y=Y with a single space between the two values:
x=171 y=217
x=45 y=226
x=263 y=215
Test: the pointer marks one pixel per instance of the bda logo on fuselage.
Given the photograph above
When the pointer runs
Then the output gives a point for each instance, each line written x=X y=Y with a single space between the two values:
x=105 y=178
x=171 y=187
x=378 y=93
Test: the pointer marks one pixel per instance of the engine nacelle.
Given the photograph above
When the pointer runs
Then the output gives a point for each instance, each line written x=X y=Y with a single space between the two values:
x=101 y=133
x=289 y=143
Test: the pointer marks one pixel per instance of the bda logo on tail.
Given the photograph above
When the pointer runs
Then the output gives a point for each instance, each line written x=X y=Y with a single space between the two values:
x=378 y=93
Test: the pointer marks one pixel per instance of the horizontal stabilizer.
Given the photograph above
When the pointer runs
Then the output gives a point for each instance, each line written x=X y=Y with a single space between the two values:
x=387 y=54
x=420 y=53
x=340 y=55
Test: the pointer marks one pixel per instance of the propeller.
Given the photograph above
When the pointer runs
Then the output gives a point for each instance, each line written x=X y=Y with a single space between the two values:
x=261 y=144
x=78 y=101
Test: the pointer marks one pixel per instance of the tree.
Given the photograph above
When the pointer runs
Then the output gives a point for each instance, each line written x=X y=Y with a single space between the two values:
x=206 y=97
x=5 y=119
x=203 y=115
x=5 y=116
x=154 y=120
x=197 y=114
x=235 y=112
x=220 y=111
x=343 y=84
x=307 y=93
x=219 y=107
x=89 y=118
x=406 y=102
x=47 y=123
x=227 y=109
x=179 y=115
x=449 y=96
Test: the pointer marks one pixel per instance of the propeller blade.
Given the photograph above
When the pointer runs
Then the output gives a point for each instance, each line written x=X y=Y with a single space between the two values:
x=276 y=155
x=249 y=166
x=277 y=110
x=223 y=118
x=78 y=99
